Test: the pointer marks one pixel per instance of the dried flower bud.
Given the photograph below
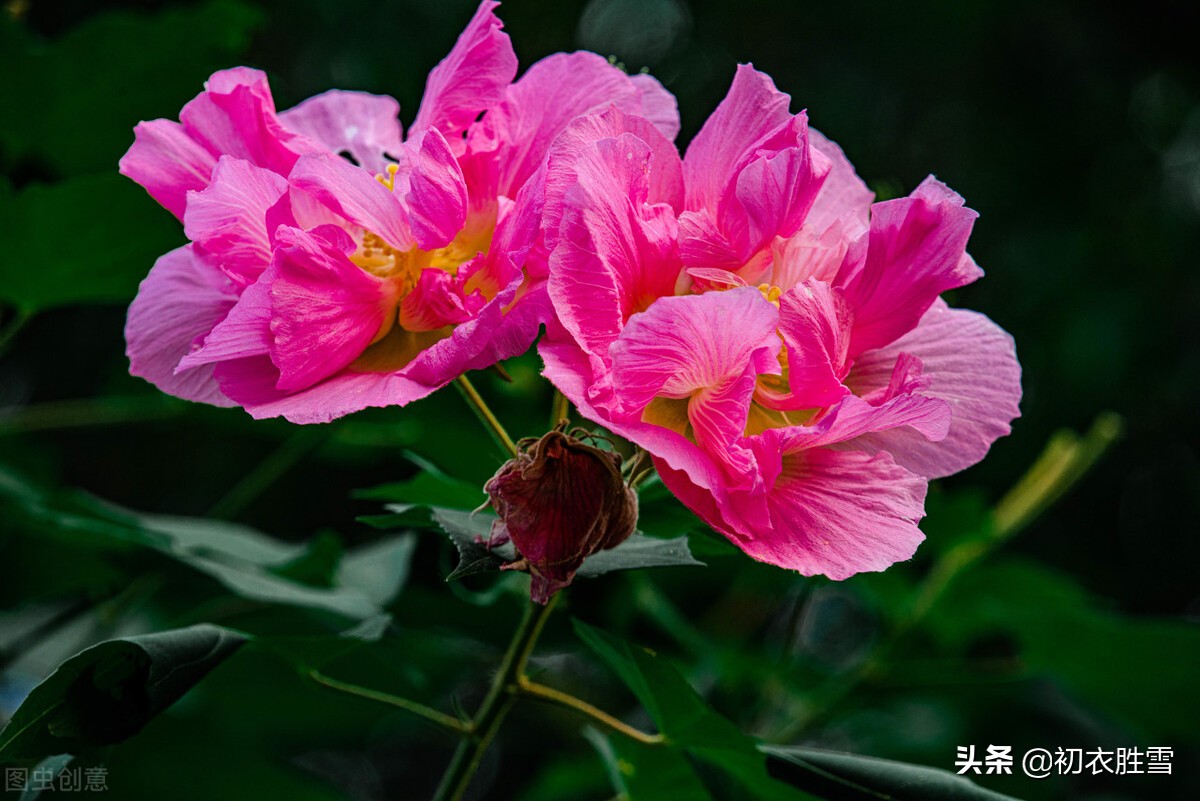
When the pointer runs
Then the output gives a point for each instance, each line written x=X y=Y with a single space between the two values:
x=559 y=501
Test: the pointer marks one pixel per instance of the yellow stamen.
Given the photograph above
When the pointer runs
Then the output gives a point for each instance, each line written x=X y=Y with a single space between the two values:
x=390 y=179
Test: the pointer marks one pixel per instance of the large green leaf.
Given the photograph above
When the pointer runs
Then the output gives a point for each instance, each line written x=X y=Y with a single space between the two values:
x=109 y=692
x=48 y=112
x=723 y=760
x=245 y=561
x=1107 y=654
x=848 y=777
x=83 y=240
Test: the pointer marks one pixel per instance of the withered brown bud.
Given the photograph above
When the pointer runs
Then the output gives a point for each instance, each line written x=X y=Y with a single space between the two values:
x=559 y=501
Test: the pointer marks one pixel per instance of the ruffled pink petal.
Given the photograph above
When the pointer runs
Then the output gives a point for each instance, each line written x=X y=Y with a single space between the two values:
x=178 y=303
x=838 y=513
x=658 y=105
x=814 y=321
x=364 y=125
x=251 y=382
x=245 y=331
x=437 y=195
x=548 y=97
x=772 y=193
x=326 y=309
x=229 y=219
x=916 y=250
x=235 y=116
x=752 y=109
x=616 y=254
x=705 y=349
x=355 y=196
x=167 y=163
x=970 y=363
x=844 y=197
x=470 y=80
x=437 y=301
x=807 y=255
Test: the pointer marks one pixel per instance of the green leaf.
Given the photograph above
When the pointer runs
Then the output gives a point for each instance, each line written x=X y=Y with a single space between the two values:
x=430 y=487
x=83 y=240
x=848 y=777
x=1108 y=651
x=640 y=551
x=43 y=100
x=246 y=562
x=109 y=692
x=722 y=759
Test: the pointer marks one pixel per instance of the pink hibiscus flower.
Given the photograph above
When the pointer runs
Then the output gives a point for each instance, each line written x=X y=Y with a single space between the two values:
x=335 y=264
x=769 y=335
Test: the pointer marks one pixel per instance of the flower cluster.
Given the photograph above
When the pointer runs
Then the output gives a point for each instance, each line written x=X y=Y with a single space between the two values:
x=746 y=314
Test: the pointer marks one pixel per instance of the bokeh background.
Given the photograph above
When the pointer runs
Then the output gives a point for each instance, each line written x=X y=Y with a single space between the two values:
x=1074 y=129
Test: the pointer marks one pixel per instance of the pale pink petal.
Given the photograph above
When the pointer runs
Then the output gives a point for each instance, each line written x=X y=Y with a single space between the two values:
x=436 y=196
x=916 y=251
x=814 y=321
x=326 y=309
x=752 y=109
x=177 y=304
x=229 y=219
x=837 y=513
x=364 y=125
x=808 y=255
x=970 y=363
x=616 y=254
x=354 y=195
x=470 y=80
x=245 y=331
x=844 y=197
x=658 y=105
x=168 y=163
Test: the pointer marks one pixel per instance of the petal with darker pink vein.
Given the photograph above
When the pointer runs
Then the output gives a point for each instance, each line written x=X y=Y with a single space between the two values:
x=245 y=331
x=838 y=513
x=971 y=364
x=325 y=309
x=916 y=250
x=814 y=321
x=844 y=197
x=229 y=219
x=616 y=254
x=470 y=80
x=364 y=125
x=167 y=163
x=437 y=301
x=436 y=196
x=690 y=363
x=354 y=195
x=539 y=106
x=179 y=302
x=752 y=109
x=658 y=105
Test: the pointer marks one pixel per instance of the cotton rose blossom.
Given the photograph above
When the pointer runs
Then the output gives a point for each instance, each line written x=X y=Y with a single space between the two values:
x=559 y=501
x=772 y=337
x=335 y=264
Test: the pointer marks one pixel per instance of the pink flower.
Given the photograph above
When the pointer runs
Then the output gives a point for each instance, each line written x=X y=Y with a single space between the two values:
x=774 y=339
x=335 y=264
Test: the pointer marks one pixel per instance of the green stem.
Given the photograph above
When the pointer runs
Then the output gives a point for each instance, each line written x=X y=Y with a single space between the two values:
x=495 y=705
x=476 y=401
x=560 y=409
x=441 y=719
x=525 y=687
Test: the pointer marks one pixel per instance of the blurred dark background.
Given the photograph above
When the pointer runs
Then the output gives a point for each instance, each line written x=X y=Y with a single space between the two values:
x=1074 y=130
